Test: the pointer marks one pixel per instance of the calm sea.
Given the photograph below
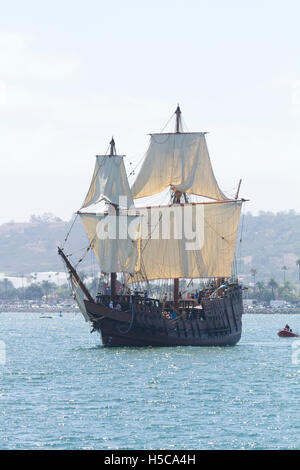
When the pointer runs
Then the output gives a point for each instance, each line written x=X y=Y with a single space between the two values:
x=59 y=389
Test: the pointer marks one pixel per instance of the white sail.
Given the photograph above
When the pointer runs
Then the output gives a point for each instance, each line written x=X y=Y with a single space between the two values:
x=115 y=241
x=180 y=160
x=190 y=241
x=109 y=182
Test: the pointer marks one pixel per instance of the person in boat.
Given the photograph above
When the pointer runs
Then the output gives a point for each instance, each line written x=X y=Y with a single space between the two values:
x=118 y=307
x=111 y=304
x=287 y=328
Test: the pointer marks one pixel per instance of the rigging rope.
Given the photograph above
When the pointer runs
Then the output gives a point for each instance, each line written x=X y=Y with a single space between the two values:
x=167 y=122
x=86 y=252
x=72 y=225
x=241 y=240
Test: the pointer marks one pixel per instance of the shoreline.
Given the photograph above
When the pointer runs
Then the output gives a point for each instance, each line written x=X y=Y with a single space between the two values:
x=38 y=309
x=272 y=311
x=9 y=308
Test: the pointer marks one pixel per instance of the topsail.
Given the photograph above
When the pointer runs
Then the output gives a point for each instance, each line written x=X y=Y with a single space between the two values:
x=109 y=183
x=179 y=160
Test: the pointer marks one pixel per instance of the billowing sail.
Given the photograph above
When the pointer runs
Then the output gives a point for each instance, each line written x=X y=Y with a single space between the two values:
x=115 y=241
x=180 y=160
x=109 y=182
x=190 y=241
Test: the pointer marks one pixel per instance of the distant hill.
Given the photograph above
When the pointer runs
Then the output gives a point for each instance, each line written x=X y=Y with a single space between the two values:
x=270 y=241
x=32 y=247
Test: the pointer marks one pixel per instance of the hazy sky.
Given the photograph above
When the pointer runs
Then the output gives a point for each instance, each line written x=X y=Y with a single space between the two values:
x=74 y=73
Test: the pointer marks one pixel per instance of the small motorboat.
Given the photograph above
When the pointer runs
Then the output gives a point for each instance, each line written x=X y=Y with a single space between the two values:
x=285 y=333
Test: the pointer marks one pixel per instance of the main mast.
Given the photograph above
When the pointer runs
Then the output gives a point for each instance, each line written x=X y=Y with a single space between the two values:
x=176 y=199
x=113 y=276
x=178 y=120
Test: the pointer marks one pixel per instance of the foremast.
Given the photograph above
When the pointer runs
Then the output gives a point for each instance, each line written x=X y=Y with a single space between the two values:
x=105 y=229
x=176 y=199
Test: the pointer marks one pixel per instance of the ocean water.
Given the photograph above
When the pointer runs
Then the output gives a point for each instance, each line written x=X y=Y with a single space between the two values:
x=59 y=389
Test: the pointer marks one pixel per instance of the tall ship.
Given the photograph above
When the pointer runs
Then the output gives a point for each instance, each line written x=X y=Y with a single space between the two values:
x=167 y=270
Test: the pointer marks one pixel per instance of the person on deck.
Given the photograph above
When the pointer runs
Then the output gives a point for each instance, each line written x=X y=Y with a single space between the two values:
x=222 y=290
x=111 y=304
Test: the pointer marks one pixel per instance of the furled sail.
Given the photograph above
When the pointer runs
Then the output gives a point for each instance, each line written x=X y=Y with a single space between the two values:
x=189 y=241
x=115 y=241
x=180 y=160
x=109 y=182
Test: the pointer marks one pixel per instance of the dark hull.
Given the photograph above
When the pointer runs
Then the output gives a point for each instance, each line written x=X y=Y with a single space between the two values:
x=218 y=322
x=287 y=334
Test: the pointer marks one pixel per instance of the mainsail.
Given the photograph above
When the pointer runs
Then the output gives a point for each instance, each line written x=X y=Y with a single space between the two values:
x=179 y=160
x=189 y=241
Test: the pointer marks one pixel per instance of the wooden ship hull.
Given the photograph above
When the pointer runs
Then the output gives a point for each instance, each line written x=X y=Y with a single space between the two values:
x=148 y=322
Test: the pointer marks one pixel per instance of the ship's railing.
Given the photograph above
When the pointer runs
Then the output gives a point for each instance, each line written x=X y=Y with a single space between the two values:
x=124 y=300
x=188 y=309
